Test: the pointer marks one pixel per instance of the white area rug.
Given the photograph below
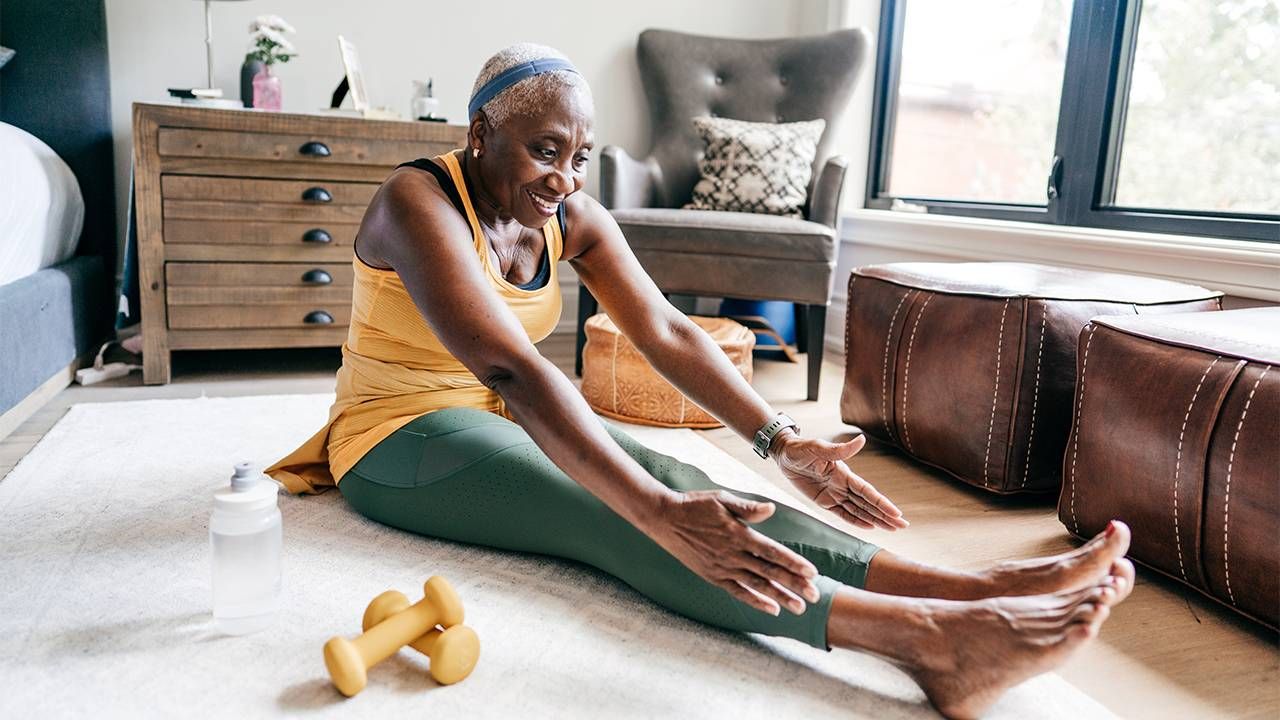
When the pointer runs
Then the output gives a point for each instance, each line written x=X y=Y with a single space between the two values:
x=104 y=599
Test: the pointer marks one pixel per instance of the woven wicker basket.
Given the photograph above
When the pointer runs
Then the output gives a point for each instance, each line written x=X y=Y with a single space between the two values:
x=619 y=383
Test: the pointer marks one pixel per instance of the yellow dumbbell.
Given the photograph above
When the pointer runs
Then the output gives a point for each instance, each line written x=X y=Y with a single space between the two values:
x=349 y=661
x=453 y=651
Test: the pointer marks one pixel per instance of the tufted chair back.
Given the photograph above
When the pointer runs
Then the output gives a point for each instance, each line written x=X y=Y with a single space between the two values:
x=783 y=80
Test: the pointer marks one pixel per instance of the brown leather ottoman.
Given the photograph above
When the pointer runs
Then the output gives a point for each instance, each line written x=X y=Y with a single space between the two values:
x=971 y=366
x=1177 y=432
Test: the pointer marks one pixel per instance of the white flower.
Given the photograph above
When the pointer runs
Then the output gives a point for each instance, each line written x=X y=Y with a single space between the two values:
x=273 y=22
x=285 y=46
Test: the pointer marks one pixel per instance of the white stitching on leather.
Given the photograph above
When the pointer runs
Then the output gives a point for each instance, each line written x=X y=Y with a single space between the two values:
x=1035 y=399
x=1177 y=467
x=906 y=373
x=1075 y=446
x=884 y=369
x=1226 y=503
x=995 y=394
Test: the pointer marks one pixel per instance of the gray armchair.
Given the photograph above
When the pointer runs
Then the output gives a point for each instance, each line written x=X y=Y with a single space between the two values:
x=732 y=254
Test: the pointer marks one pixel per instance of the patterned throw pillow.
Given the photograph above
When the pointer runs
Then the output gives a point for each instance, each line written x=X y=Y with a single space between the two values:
x=755 y=167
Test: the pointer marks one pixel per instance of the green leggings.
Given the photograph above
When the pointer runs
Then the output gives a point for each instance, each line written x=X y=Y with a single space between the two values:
x=472 y=476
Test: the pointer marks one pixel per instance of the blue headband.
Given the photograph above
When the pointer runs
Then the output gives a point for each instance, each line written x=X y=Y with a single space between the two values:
x=513 y=75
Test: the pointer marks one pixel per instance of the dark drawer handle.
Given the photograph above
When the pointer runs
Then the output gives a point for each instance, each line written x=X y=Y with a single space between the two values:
x=316 y=195
x=318 y=317
x=315 y=149
x=317 y=235
x=316 y=277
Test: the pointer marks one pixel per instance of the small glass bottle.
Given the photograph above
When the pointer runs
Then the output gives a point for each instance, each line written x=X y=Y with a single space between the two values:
x=423 y=104
x=245 y=534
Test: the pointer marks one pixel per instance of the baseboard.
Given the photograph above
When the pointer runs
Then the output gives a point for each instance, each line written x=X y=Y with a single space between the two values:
x=36 y=399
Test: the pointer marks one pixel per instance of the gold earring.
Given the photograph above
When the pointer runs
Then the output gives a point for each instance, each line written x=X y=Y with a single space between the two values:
x=475 y=153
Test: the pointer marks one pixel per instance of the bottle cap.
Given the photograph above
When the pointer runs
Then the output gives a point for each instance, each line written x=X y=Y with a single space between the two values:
x=250 y=490
x=244 y=478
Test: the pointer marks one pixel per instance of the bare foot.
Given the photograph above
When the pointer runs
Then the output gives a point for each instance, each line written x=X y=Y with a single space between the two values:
x=1069 y=571
x=982 y=648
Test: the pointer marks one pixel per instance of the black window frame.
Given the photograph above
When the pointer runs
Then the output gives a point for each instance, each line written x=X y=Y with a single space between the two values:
x=1084 y=166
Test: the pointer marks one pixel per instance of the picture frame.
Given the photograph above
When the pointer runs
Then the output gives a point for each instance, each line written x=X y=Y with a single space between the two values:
x=355 y=76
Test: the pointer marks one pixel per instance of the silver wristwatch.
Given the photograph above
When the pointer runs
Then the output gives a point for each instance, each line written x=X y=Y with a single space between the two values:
x=765 y=435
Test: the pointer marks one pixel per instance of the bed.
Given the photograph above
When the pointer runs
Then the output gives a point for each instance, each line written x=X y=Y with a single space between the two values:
x=57 y=216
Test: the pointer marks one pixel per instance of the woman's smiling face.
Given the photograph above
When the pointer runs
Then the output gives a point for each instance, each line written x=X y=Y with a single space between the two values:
x=532 y=163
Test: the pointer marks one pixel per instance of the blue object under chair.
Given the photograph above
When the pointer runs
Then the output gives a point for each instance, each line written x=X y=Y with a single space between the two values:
x=781 y=315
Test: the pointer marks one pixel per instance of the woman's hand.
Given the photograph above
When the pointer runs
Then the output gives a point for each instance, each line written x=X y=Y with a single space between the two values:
x=817 y=468
x=706 y=531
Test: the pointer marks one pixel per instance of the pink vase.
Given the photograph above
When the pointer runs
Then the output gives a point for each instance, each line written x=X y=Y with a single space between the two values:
x=266 y=90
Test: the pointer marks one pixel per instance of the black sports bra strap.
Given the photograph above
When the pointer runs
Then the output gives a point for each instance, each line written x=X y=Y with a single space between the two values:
x=442 y=177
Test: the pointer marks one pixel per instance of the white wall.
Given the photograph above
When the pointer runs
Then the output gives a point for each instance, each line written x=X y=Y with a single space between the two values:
x=855 y=130
x=157 y=44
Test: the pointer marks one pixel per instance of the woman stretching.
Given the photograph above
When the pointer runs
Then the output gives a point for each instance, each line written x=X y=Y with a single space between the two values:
x=449 y=423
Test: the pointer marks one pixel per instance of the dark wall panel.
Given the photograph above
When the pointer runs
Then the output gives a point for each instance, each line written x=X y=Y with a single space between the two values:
x=58 y=88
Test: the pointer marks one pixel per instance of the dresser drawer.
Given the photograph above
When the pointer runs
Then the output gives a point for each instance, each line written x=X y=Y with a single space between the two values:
x=324 y=295
x=300 y=234
x=227 y=252
x=291 y=315
x=243 y=274
x=304 y=193
x=256 y=211
x=320 y=148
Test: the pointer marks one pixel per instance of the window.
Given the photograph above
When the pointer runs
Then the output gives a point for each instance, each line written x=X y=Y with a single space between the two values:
x=1202 y=127
x=975 y=116
x=1157 y=115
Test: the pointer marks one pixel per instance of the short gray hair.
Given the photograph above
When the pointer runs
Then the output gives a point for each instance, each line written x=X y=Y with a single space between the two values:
x=530 y=94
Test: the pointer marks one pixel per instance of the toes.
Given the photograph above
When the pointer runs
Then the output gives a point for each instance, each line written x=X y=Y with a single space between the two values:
x=1100 y=616
x=1110 y=596
x=1112 y=541
x=1117 y=538
x=1083 y=631
x=1122 y=576
x=1103 y=594
x=1103 y=549
x=1091 y=613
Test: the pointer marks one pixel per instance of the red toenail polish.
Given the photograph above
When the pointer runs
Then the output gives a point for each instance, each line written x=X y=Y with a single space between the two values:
x=1111 y=529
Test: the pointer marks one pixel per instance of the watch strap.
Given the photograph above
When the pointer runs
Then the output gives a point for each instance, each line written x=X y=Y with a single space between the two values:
x=765 y=435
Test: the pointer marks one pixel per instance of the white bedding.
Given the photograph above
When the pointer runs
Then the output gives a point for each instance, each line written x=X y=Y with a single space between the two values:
x=41 y=208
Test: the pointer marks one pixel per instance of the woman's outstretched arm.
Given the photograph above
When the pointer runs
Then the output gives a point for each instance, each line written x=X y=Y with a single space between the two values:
x=686 y=356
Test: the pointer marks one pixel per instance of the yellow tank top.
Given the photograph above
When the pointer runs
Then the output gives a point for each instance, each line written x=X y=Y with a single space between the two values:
x=395 y=369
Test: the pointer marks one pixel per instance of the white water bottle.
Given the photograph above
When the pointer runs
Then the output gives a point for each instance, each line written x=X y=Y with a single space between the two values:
x=245 y=534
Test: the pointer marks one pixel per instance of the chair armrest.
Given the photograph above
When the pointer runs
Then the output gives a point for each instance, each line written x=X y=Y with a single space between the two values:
x=824 y=206
x=624 y=181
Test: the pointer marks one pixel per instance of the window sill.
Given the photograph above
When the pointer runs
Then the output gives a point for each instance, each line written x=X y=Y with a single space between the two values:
x=1237 y=267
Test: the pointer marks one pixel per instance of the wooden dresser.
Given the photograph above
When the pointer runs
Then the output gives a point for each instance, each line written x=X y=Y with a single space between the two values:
x=246 y=221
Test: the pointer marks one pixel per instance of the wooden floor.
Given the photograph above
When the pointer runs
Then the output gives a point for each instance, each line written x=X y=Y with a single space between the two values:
x=1166 y=653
